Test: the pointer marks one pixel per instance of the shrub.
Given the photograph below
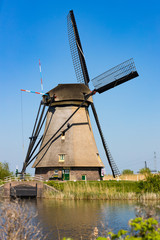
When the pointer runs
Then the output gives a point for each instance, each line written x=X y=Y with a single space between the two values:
x=145 y=171
x=151 y=184
x=4 y=170
x=146 y=229
x=18 y=222
x=127 y=172
x=144 y=226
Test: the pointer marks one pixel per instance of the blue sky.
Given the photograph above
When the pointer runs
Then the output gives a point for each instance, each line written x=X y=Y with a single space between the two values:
x=111 y=32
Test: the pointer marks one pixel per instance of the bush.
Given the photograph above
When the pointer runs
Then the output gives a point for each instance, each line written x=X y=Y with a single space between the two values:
x=145 y=171
x=151 y=184
x=127 y=172
x=4 y=170
x=18 y=222
x=146 y=229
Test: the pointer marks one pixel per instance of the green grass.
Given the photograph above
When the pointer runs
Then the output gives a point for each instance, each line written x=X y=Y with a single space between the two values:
x=1 y=182
x=105 y=189
x=125 y=186
x=95 y=189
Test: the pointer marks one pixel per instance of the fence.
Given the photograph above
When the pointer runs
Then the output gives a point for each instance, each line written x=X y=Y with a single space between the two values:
x=25 y=178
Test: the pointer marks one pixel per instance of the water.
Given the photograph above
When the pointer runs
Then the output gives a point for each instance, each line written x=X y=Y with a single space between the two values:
x=77 y=219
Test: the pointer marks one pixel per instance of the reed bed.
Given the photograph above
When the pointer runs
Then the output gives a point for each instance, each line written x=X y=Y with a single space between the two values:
x=106 y=190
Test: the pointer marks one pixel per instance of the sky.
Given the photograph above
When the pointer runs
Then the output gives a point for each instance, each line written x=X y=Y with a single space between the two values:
x=110 y=32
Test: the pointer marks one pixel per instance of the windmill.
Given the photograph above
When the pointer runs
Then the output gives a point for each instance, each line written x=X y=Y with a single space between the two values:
x=67 y=146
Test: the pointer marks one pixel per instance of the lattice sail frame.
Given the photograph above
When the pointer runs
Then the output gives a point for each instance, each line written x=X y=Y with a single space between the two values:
x=76 y=49
x=115 y=76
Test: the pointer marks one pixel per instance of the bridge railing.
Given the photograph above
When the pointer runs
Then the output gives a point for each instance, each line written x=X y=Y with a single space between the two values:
x=26 y=178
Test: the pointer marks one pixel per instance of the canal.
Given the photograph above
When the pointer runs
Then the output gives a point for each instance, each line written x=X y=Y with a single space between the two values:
x=77 y=219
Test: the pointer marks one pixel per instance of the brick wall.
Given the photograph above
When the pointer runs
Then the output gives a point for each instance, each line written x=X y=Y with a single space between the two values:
x=8 y=185
x=90 y=173
x=75 y=173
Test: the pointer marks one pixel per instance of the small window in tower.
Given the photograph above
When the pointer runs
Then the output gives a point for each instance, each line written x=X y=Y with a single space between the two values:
x=63 y=135
x=61 y=157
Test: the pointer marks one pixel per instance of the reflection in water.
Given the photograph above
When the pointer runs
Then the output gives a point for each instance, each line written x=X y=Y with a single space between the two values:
x=77 y=219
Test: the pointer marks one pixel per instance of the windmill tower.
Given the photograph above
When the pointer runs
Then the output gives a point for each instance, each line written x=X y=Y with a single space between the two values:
x=73 y=153
x=67 y=147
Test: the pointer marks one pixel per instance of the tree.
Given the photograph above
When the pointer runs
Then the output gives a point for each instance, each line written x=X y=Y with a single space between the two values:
x=145 y=171
x=4 y=170
x=127 y=172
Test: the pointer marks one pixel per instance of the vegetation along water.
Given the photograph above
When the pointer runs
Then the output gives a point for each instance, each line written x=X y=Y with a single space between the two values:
x=86 y=210
x=107 y=190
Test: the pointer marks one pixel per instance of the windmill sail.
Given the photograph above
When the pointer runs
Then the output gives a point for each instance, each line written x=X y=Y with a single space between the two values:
x=83 y=77
x=76 y=50
x=115 y=76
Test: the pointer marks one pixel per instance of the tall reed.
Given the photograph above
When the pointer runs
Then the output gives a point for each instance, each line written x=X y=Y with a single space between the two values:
x=96 y=190
x=18 y=222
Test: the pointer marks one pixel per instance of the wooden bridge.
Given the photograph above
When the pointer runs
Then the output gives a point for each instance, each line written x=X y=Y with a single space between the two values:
x=27 y=187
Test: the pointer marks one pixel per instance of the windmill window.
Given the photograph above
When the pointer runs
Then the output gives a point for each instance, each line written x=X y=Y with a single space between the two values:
x=61 y=157
x=63 y=136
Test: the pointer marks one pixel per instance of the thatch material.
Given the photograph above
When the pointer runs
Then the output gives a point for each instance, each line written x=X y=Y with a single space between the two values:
x=78 y=144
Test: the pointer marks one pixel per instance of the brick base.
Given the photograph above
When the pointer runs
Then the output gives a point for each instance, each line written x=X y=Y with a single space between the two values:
x=38 y=185
x=75 y=173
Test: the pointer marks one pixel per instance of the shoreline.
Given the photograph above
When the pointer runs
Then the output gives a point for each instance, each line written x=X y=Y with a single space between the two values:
x=106 y=190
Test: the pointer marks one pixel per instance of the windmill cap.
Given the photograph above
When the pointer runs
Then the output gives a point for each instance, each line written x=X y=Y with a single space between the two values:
x=69 y=92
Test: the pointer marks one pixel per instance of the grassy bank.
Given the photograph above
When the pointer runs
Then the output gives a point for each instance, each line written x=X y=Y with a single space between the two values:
x=1 y=182
x=104 y=190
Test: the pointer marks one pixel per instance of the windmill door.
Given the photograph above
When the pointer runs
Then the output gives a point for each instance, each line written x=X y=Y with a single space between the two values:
x=66 y=174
